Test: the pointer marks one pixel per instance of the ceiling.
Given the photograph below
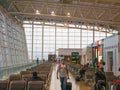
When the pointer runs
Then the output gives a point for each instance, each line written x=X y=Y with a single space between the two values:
x=98 y=12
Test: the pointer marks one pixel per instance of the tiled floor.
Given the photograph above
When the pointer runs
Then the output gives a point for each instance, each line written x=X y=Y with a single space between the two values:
x=55 y=84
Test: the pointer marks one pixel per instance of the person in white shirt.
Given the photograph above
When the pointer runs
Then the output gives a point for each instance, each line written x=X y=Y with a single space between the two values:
x=63 y=74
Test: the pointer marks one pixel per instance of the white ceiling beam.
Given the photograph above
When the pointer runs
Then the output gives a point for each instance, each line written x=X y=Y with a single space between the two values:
x=11 y=3
x=16 y=6
x=61 y=11
x=69 y=5
x=63 y=5
x=115 y=16
x=94 y=13
x=101 y=14
x=73 y=18
x=80 y=12
x=49 y=6
x=74 y=11
x=32 y=7
x=87 y=13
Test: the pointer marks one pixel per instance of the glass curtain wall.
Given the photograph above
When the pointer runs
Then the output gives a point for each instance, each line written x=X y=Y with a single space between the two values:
x=13 y=49
x=74 y=38
x=48 y=41
x=48 y=37
x=61 y=37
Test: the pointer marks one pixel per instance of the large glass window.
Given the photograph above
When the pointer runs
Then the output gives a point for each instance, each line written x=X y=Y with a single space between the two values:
x=48 y=38
x=61 y=37
x=99 y=35
x=12 y=42
x=74 y=38
x=0 y=56
x=49 y=41
x=37 y=41
x=28 y=33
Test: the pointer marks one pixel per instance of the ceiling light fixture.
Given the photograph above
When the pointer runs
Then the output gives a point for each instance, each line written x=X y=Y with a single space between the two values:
x=37 y=12
x=111 y=31
x=77 y=26
x=100 y=28
x=88 y=27
x=53 y=13
x=65 y=24
x=68 y=14
x=53 y=23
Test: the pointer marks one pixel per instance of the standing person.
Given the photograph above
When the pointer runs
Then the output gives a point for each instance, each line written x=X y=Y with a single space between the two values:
x=63 y=74
x=37 y=61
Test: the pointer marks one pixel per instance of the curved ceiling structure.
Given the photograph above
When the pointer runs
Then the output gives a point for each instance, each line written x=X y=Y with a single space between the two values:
x=104 y=13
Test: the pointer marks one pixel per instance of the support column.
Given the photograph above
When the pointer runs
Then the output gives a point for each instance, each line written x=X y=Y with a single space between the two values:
x=32 y=40
x=26 y=51
x=68 y=38
x=81 y=43
x=42 y=39
x=7 y=54
x=106 y=33
x=81 y=37
x=55 y=38
x=93 y=34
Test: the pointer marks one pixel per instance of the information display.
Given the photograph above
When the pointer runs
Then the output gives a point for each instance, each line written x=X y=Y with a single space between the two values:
x=75 y=56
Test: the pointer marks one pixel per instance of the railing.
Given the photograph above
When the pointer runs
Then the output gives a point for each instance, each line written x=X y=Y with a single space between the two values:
x=6 y=71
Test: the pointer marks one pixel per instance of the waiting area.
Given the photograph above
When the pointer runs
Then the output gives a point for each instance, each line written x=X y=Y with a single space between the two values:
x=47 y=72
x=22 y=80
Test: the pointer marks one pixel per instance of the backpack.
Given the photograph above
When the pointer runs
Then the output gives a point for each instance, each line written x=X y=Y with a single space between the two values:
x=77 y=78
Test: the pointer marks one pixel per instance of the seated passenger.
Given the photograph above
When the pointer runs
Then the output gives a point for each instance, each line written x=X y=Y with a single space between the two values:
x=100 y=80
x=82 y=71
x=35 y=77
x=86 y=66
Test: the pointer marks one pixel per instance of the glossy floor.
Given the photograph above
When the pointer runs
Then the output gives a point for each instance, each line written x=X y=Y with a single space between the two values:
x=55 y=84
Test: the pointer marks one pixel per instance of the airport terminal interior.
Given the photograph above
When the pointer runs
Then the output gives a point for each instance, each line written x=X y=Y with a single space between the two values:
x=46 y=36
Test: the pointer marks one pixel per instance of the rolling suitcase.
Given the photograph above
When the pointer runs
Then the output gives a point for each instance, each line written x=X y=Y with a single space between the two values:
x=77 y=78
x=68 y=86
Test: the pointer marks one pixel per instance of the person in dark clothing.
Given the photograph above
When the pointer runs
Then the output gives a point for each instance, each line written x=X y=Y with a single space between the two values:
x=86 y=66
x=81 y=71
x=37 y=61
x=100 y=80
x=35 y=77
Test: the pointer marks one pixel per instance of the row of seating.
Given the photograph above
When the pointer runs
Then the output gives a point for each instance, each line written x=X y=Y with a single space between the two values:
x=21 y=81
x=21 y=85
x=89 y=76
x=73 y=68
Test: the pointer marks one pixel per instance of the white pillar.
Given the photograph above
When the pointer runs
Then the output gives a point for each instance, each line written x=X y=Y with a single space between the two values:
x=42 y=39
x=32 y=41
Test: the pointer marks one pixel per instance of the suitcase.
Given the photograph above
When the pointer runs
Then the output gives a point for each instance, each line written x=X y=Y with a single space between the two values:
x=77 y=78
x=68 y=86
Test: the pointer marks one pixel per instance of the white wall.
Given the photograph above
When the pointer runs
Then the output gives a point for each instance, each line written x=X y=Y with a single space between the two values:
x=111 y=45
x=118 y=62
x=68 y=51
x=86 y=54
x=89 y=54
